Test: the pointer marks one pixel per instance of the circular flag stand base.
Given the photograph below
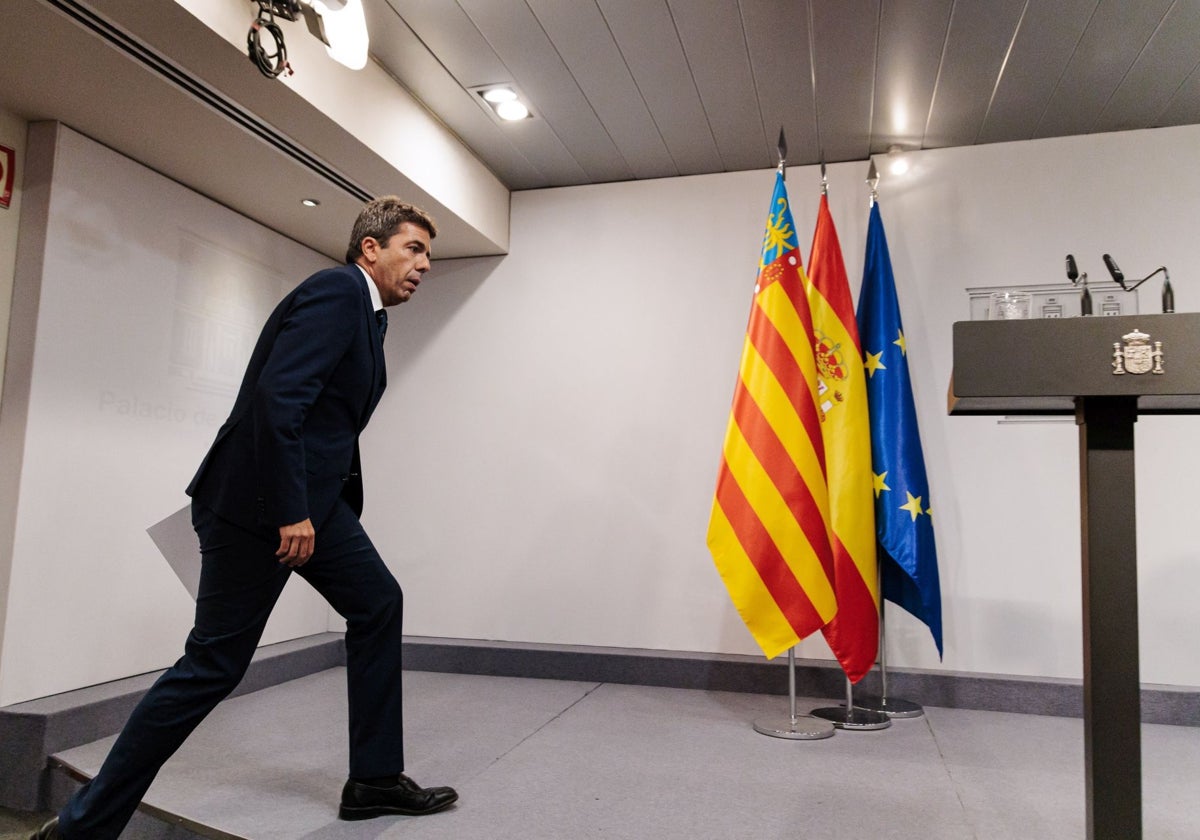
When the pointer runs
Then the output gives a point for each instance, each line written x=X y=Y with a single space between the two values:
x=853 y=718
x=802 y=728
x=893 y=707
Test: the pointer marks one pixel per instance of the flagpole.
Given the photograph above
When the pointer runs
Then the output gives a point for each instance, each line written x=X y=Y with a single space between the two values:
x=849 y=716
x=796 y=727
x=893 y=707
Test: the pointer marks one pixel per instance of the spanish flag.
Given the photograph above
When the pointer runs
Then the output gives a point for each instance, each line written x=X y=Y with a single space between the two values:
x=853 y=634
x=769 y=530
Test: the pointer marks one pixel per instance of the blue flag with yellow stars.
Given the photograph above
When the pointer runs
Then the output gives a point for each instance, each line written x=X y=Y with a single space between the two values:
x=903 y=514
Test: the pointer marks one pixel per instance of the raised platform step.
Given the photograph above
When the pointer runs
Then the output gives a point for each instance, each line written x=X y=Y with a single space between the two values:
x=552 y=759
x=30 y=732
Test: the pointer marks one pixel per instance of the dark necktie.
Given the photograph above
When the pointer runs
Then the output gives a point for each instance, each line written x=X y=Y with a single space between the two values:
x=381 y=319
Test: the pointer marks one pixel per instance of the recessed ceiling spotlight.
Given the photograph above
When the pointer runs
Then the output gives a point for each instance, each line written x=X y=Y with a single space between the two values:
x=503 y=101
x=513 y=110
x=497 y=95
x=897 y=161
x=310 y=202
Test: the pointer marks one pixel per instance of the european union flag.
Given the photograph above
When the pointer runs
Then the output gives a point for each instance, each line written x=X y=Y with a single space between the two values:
x=903 y=514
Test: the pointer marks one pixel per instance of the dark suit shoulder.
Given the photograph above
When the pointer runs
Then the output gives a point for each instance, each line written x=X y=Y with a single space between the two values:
x=333 y=294
x=346 y=280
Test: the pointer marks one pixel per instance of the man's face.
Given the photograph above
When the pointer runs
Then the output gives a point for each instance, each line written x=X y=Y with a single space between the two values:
x=397 y=268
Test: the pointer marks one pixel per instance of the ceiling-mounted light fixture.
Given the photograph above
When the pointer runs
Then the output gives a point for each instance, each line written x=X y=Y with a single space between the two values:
x=512 y=110
x=897 y=161
x=342 y=25
x=497 y=95
x=310 y=202
x=504 y=101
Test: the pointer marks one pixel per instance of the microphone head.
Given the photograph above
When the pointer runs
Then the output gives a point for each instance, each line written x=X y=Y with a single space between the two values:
x=1113 y=269
x=1072 y=270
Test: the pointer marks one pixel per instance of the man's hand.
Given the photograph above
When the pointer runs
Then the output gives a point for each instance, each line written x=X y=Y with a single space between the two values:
x=296 y=543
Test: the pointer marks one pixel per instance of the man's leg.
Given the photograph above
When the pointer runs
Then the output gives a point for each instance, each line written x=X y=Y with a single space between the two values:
x=349 y=573
x=347 y=570
x=240 y=581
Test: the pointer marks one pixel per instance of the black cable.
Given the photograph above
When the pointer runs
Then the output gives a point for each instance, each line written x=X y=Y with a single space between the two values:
x=270 y=64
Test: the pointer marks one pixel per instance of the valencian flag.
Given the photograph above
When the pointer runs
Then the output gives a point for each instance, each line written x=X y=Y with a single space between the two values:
x=903 y=514
x=769 y=531
x=853 y=634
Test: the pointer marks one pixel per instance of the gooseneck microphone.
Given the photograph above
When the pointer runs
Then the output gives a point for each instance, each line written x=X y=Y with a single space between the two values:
x=1168 y=294
x=1115 y=271
x=1085 y=297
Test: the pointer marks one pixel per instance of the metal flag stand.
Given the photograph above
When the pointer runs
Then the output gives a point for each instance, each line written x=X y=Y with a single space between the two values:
x=851 y=716
x=794 y=727
x=893 y=707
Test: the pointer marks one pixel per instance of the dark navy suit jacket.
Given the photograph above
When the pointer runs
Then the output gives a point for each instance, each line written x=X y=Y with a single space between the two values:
x=290 y=446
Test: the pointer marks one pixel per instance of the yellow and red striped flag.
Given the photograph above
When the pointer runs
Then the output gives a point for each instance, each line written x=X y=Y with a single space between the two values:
x=853 y=634
x=769 y=529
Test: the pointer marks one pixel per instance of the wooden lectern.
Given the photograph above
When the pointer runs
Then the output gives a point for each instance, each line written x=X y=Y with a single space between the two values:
x=1106 y=371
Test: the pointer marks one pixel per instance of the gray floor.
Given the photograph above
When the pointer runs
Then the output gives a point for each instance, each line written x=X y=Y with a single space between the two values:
x=537 y=759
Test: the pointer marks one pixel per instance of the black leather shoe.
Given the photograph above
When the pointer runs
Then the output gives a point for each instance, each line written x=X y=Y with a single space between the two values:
x=361 y=802
x=47 y=832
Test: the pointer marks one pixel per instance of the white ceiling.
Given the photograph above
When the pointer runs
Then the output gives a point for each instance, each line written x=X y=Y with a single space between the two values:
x=628 y=89
x=620 y=89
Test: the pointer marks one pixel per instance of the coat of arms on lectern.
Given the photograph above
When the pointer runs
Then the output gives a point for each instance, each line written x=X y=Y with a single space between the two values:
x=1137 y=355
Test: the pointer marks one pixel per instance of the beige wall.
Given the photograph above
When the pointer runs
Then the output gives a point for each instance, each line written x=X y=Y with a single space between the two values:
x=542 y=466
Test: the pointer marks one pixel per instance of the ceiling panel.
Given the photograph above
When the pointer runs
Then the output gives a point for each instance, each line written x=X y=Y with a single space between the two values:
x=715 y=45
x=1184 y=107
x=978 y=40
x=844 y=37
x=1114 y=38
x=541 y=145
x=585 y=43
x=1046 y=40
x=448 y=32
x=645 y=33
x=912 y=35
x=460 y=47
x=519 y=40
x=399 y=49
x=777 y=38
x=1157 y=73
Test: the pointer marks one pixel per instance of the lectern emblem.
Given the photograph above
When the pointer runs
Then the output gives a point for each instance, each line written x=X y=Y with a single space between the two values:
x=1137 y=356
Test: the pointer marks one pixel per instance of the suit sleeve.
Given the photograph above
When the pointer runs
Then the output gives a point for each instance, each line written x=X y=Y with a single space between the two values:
x=313 y=337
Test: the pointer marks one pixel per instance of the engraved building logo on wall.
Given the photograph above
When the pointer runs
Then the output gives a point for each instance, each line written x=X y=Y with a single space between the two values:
x=1137 y=356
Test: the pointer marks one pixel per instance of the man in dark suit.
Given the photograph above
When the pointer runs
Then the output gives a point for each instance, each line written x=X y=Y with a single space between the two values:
x=280 y=493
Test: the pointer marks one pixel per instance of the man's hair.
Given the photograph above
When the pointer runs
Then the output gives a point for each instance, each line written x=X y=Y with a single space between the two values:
x=380 y=219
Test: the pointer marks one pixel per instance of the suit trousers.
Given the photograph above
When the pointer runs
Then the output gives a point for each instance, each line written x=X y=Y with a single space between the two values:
x=240 y=581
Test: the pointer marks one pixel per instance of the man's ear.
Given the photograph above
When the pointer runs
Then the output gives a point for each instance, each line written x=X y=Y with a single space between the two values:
x=370 y=248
